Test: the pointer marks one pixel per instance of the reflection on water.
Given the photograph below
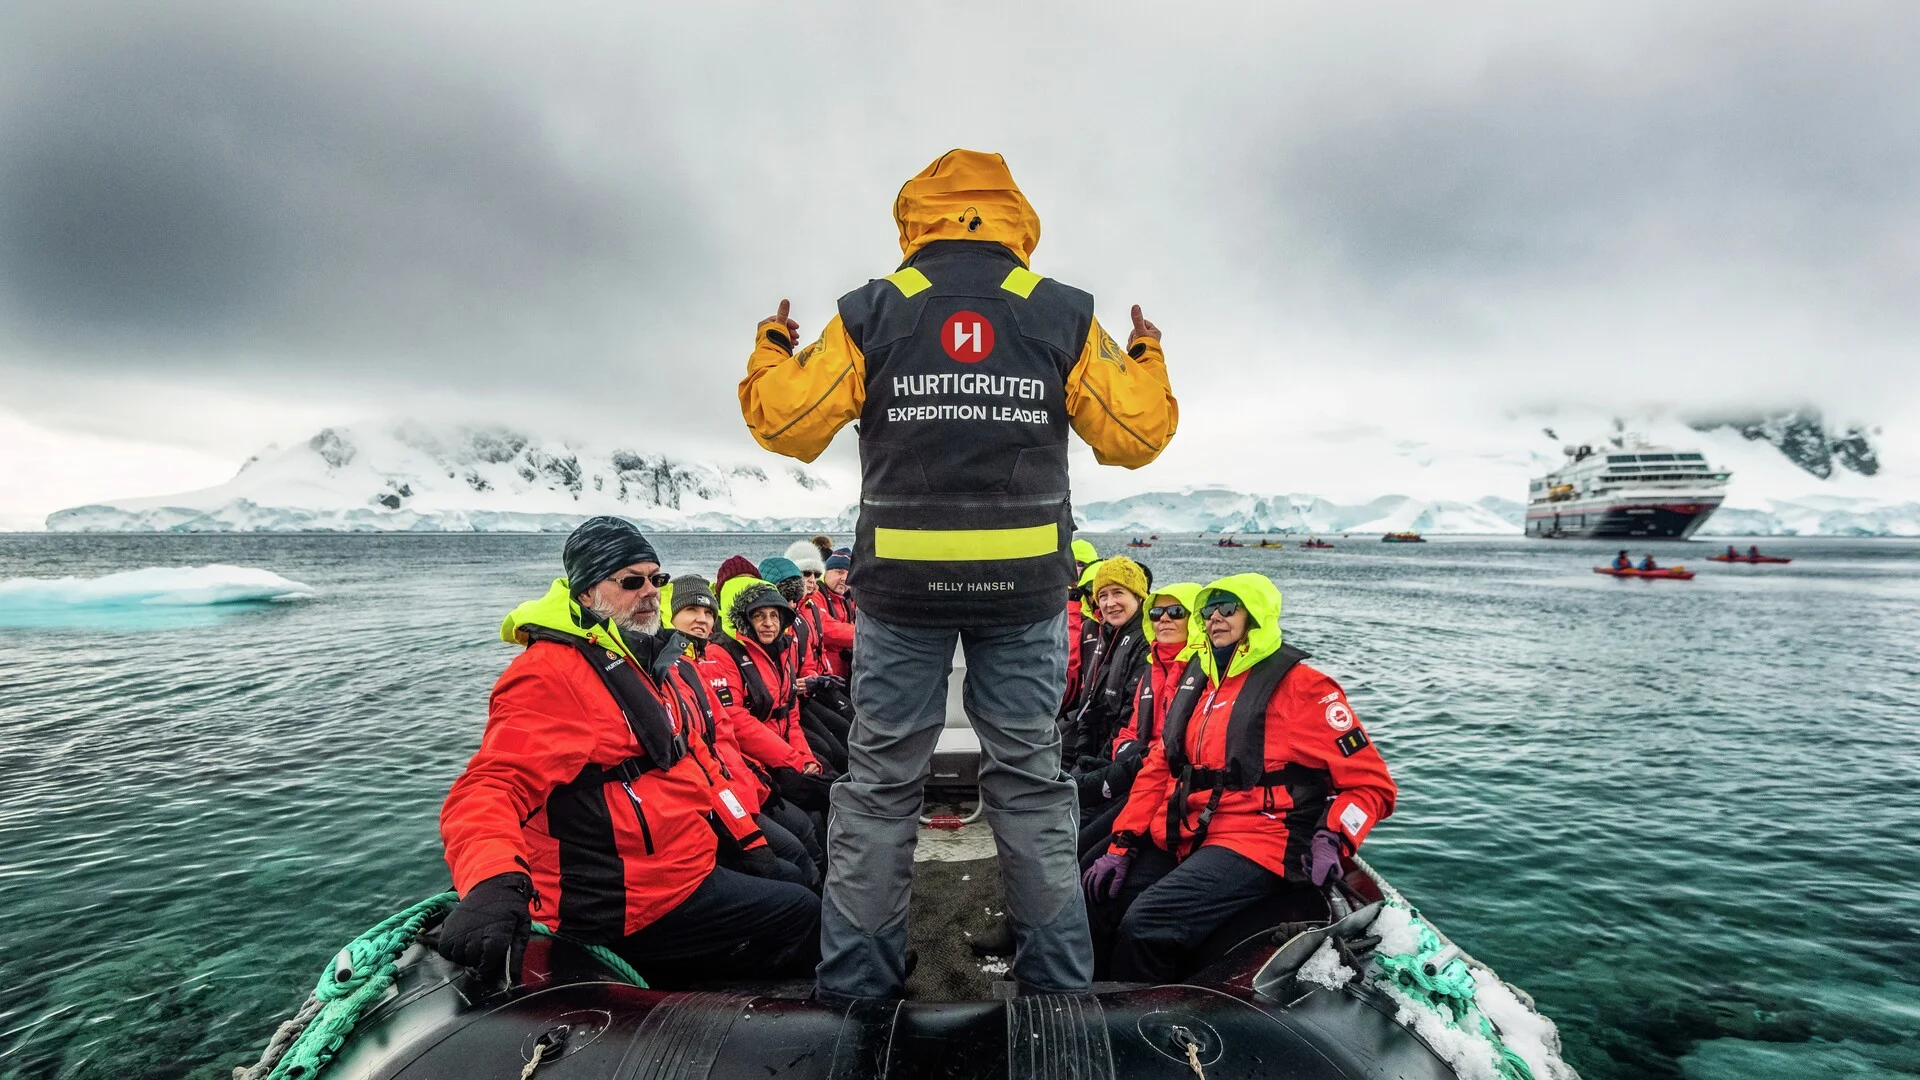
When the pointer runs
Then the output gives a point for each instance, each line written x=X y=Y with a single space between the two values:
x=1681 y=814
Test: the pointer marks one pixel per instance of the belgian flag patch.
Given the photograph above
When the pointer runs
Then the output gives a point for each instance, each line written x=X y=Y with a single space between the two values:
x=1352 y=742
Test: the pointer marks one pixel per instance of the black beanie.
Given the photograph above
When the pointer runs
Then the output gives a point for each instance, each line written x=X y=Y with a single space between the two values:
x=693 y=591
x=601 y=547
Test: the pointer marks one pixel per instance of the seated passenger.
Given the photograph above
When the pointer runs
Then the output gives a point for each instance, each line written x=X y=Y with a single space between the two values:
x=589 y=803
x=822 y=706
x=1171 y=620
x=1731 y=553
x=741 y=742
x=735 y=566
x=831 y=635
x=1753 y=551
x=1114 y=665
x=1648 y=563
x=758 y=635
x=1623 y=561
x=1274 y=786
x=838 y=598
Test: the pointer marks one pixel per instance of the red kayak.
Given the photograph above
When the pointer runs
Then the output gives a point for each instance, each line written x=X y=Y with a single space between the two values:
x=1678 y=573
x=1748 y=558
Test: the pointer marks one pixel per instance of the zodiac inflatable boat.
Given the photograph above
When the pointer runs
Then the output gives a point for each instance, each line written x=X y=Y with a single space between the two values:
x=1346 y=984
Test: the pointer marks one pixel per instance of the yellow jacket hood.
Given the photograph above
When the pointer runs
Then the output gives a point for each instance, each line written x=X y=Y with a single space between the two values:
x=966 y=195
x=1262 y=598
x=1186 y=592
x=558 y=611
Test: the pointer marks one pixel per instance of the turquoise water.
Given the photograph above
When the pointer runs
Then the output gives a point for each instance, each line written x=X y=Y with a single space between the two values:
x=1682 y=815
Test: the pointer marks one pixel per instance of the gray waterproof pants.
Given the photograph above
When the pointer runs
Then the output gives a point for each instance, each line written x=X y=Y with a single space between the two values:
x=1015 y=677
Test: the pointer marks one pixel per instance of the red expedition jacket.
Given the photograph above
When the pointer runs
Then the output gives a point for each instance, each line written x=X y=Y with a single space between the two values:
x=561 y=780
x=741 y=735
x=1319 y=767
x=780 y=712
x=1164 y=664
x=829 y=620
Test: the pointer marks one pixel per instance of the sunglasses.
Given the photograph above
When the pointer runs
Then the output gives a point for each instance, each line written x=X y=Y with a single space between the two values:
x=1166 y=611
x=1224 y=609
x=809 y=573
x=658 y=579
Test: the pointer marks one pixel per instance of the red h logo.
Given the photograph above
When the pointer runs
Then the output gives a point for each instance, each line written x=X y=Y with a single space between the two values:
x=967 y=337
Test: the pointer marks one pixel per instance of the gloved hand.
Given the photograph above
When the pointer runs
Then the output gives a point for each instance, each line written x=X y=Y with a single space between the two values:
x=761 y=862
x=489 y=929
x=1323 y=858
x=1088 y=763
x=800 y=789
x=819 y=684
x=1103 y=879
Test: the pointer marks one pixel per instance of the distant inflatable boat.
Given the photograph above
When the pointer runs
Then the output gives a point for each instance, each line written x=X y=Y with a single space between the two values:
x=1403 y=538
x=1315 y=544
x=1748 y=558
x=1677 y=573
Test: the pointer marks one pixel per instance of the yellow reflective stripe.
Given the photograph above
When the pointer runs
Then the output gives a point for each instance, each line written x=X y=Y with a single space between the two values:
x=965 y=545
x=1020 y=282
x=909 y=281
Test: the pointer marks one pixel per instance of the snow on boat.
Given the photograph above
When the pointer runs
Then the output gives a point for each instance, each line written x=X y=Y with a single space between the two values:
x=1345 y=984
x=1677 y=573
x=1748 y=559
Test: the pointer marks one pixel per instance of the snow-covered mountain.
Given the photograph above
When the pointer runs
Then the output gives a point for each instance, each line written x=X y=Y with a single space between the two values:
x=1792 y=475
x=414 y=478
x=1223 y=510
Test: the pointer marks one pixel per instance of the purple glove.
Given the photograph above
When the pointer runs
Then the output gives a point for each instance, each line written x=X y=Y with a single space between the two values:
x=1323 y=858
x=1103 y=879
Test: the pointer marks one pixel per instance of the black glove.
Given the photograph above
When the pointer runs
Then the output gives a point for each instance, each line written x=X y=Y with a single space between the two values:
x=1089 y=762
x=761 y=862
x=803 y=791
x=489 y=929
x=819 y=684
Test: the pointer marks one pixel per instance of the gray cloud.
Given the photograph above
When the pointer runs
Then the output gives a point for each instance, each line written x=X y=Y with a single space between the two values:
x=482 y=205
x=232 y=185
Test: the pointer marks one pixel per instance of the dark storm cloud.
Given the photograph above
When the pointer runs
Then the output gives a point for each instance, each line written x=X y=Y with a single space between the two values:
x=210 y=185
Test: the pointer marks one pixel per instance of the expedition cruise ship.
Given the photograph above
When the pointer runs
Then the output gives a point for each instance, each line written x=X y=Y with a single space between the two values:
x=1625 y=491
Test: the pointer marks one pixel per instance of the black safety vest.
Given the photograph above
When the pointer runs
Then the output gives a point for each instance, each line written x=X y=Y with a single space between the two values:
x=652 y=726
x=965 y=518
x=1246 y=747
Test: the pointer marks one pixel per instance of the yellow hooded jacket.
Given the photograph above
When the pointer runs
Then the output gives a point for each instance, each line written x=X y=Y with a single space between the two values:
x=1119 y=401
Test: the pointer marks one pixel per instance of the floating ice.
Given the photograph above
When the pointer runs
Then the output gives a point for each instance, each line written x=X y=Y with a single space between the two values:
x=156 y=586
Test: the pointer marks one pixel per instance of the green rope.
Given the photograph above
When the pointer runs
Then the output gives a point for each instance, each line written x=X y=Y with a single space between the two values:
x=360 y=976
x=1450 y=991
x=601 y=953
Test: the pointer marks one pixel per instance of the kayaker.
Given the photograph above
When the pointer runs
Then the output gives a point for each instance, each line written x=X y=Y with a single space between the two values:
x=587 y=805
x=966 y=372
x=1226 y=814
x=1104 y=790
x=1731 y=552
x=1623 y=561
x=695 y=613
x=1753 y=551
x=1647 y=563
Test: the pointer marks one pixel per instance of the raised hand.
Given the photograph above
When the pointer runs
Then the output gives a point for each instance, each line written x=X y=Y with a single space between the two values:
x=779 y=320
x=1141 y=327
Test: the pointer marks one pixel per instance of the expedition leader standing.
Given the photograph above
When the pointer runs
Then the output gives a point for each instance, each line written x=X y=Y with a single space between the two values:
x=966 y=370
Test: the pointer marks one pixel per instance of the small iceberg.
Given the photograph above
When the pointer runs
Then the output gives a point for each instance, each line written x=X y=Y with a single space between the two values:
x=74 y=601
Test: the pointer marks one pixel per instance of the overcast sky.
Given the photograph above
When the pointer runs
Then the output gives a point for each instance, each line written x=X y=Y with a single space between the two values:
x=228 y=223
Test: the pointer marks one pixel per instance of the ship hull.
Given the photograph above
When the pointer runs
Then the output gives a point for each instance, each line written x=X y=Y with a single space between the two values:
x=1621 y=519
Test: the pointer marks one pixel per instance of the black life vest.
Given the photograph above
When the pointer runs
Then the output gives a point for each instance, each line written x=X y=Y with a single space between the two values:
x=965 y=518
x=646 y=717
x=1246 y=766
x=758 y=699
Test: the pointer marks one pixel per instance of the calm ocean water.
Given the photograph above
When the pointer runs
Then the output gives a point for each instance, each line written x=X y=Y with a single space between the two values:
x=1683 y=815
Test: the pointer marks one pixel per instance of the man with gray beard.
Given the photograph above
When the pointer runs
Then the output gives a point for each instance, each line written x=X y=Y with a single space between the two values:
x=595 y=803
